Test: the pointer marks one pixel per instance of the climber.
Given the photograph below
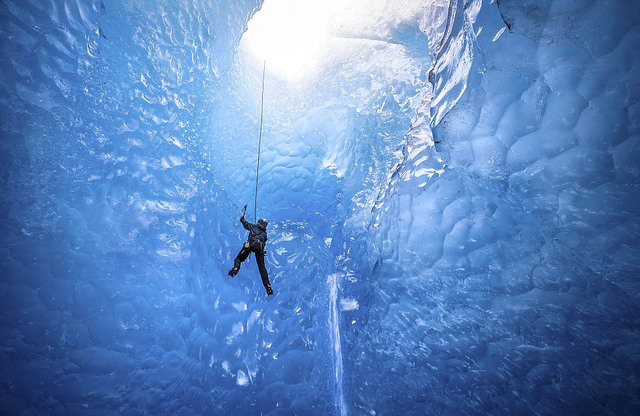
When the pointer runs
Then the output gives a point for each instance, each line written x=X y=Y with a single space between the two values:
x=256 y=244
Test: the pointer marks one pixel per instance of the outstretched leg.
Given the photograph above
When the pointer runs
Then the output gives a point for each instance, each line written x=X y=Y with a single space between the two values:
x=242 y=256
x=263 y=271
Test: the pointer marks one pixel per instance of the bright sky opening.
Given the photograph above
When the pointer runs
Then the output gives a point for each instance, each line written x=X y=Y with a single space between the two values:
x=290 y=34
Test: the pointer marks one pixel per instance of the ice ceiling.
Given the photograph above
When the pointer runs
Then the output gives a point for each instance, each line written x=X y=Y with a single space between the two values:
x=452 y=189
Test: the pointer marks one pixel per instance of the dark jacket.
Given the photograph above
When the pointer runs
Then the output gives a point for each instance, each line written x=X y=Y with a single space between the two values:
x=256 y=232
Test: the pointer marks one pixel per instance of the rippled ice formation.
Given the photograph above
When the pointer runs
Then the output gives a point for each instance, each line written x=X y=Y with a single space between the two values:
x=452 y=195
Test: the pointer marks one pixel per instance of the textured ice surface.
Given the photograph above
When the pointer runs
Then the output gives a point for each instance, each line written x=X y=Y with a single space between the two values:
x=452 y=195
x=507 y=283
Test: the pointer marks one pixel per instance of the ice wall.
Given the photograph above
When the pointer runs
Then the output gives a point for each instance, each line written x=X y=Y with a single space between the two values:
x=505 y=255
x=452 y=198
x=105 y=188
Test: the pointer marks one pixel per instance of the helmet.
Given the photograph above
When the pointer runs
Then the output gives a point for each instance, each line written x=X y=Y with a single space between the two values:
x=263 y=223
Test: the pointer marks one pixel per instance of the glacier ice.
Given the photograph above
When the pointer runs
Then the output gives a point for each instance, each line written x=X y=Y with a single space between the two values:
x=452 y=193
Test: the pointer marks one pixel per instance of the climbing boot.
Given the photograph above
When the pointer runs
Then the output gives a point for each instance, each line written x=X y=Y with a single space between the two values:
x=234 y=271
x=269 y=291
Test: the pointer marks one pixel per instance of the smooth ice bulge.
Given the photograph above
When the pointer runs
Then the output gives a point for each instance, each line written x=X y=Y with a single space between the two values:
x=451 y=188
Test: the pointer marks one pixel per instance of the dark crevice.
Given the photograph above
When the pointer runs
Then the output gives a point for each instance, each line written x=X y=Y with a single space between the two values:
x=507 y=21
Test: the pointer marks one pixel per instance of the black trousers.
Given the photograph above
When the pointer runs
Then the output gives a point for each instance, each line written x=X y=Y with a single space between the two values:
x=257 y=250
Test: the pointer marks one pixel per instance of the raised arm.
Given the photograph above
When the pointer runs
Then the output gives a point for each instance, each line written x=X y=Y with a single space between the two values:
x=246 y=224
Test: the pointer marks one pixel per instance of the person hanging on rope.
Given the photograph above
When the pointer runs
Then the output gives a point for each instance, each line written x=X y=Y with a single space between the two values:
x=257 y=232
x=255 y=244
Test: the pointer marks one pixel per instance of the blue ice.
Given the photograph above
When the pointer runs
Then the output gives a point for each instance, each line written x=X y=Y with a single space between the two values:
x=452 y=188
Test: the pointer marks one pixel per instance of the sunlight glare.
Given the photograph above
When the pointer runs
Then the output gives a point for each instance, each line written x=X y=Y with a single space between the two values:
x=289 y=34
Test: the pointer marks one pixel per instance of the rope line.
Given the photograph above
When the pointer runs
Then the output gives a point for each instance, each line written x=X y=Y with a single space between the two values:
x=255 y=195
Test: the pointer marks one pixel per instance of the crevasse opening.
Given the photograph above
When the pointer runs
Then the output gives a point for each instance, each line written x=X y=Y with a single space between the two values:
x=451 y=189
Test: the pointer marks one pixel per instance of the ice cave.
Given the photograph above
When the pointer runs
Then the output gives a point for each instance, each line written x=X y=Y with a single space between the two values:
x=452 y=189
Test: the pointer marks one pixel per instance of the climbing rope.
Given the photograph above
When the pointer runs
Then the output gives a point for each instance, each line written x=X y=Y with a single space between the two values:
x=255 y=195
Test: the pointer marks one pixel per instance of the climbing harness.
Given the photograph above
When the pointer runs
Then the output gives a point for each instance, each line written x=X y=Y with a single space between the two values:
x=255 y=196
